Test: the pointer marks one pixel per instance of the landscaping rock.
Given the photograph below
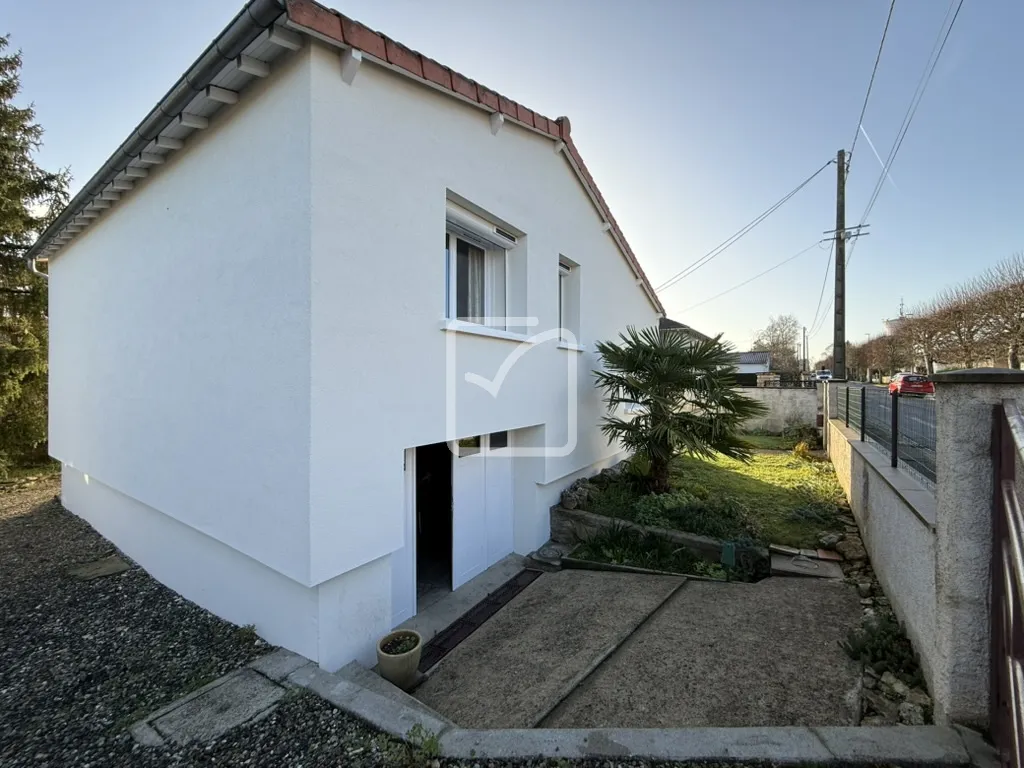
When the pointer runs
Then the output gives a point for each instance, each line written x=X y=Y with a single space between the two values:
x=864 y=589
x=874 y=720
x=888 y=681
x=851 y=548
x=870 y=682
x=920 y=698
x=911 y=714
x=829 y=540
x=883 y=708
x=900 y=689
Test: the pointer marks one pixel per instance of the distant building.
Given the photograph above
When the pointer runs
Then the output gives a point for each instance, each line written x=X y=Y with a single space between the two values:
x=753 y=362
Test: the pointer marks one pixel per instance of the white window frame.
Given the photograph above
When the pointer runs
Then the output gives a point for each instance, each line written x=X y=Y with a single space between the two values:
x=477 y=232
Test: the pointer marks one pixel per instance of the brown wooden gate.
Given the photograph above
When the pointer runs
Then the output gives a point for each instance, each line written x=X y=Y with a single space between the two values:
x=1007 y=607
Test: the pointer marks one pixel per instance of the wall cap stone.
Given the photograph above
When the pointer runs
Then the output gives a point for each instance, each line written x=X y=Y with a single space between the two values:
x=980 y=376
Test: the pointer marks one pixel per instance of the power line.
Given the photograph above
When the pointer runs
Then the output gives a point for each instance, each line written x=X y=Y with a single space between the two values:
x=871 y=82
x=824 y=282
x=719 y=249
x=752 y=279
x=915 y=102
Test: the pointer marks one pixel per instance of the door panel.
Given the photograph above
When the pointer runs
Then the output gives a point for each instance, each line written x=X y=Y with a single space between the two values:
x=499 y=504
x=469 y=517
x=403 y=562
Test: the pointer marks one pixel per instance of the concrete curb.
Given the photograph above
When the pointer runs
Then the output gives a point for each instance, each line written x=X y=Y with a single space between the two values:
x=362 y=694
x=385 y=708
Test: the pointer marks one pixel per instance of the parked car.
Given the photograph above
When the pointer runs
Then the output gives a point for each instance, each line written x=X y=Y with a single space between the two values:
x=823 y=375
x=911 y=384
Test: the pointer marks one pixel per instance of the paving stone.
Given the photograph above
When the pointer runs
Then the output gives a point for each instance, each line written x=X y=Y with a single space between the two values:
x=805 y=566
x=279 y=664
x=106 y=566
x=240 y=698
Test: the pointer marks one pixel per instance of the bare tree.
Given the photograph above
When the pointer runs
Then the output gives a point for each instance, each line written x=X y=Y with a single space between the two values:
x=923 y=334
x=962 y=324
x=780 y=337
x=1002 y=303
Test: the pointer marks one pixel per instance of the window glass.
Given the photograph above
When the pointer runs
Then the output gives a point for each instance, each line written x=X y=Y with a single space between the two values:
x=469 y=281
x=499 y=440
x=469 y=445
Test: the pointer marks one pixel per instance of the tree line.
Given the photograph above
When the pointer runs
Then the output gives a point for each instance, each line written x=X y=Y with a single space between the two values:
x=980 y=322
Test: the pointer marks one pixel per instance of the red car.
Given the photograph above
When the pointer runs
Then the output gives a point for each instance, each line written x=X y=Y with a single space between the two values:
x=911 y=384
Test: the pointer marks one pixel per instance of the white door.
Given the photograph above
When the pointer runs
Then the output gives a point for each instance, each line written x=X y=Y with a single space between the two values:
x=403 y=562
x=498 y=470
x=469 y=511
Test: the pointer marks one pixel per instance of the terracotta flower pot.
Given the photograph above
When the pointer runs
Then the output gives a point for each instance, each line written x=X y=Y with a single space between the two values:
x=399 y=668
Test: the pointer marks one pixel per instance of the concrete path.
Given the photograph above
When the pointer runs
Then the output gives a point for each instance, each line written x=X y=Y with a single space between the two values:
x=513 y=670
x=715 y=654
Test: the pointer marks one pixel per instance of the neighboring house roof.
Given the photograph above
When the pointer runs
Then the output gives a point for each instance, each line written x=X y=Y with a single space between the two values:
x=753 y=358
x=229 y=64
x=668 y=324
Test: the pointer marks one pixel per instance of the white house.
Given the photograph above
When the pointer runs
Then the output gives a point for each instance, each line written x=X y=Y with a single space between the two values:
x=753 y=362
x=259 y=350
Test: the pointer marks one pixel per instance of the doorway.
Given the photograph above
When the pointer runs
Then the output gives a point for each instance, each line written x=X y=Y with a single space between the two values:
x=433 y=523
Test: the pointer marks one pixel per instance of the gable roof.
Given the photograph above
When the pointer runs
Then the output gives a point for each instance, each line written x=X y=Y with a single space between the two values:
x=668 y=324
x=753 y=358
x=242 y=53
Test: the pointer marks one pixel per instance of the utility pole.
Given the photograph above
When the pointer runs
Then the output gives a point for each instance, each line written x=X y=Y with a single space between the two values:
x=804 y=350
x=839 y=340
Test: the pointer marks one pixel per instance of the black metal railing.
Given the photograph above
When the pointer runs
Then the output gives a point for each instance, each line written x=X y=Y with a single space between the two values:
x=1006 y=700
x=901 y=425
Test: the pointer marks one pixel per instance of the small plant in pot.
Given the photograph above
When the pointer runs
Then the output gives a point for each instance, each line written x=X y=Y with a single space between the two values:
x=398 y=657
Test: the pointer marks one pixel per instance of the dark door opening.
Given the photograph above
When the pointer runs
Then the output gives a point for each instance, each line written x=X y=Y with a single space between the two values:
x=433 y=523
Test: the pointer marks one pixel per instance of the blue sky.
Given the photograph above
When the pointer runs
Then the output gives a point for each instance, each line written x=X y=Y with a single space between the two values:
x=693 y=116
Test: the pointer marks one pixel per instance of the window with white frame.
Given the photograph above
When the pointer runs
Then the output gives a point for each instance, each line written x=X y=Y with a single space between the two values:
x=477 y=265
x=568 y=300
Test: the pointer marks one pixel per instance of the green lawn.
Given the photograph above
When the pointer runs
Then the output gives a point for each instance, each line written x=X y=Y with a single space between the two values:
x=776 y=498
x=772 y=442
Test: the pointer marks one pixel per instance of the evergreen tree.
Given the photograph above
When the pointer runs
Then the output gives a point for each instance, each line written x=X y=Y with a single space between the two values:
x=29 y=199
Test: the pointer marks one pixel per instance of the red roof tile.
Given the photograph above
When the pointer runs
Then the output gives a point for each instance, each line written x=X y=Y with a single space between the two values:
x=331 y=24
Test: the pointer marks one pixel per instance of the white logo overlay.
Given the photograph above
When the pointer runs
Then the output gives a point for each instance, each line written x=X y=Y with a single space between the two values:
x=492 y=385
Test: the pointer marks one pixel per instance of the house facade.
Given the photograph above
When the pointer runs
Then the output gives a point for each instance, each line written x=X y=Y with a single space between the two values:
x=272 y=387
x=753 y=362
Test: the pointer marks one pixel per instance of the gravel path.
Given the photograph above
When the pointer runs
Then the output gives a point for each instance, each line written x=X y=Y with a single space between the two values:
x=80 y=661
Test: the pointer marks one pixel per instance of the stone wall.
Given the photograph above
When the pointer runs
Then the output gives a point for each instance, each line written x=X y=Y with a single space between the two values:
x=786 y=408
x=896 y=516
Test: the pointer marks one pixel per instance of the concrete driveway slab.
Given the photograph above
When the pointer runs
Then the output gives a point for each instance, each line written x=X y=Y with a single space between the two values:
x=535 y=650
x=717 y=654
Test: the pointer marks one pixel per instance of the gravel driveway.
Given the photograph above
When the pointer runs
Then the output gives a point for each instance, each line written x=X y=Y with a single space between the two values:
x=82 y=660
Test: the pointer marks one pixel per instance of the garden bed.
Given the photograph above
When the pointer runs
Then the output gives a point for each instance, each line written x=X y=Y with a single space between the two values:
x=623 y=545
x=779 y=498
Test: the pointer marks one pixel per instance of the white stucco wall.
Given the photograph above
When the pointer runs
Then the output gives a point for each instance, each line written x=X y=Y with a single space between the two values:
x=786 y=408
x=179 y=333
x=897 y=519
x=243 y=348
x=386 y=151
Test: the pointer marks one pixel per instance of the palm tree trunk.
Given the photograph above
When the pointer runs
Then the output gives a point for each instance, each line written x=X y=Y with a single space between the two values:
x=659 y=476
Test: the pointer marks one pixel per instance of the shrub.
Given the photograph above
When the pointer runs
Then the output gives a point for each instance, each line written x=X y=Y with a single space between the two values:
x=882 y=645
x=621 y=545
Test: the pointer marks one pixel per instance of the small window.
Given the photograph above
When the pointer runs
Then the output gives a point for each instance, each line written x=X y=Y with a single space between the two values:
x=476 y=256
x=498 y=440
x=568 y=301
x=469 y=446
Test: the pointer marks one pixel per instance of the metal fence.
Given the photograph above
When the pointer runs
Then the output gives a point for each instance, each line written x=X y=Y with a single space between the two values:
x=903 y=426
x=1006 y=698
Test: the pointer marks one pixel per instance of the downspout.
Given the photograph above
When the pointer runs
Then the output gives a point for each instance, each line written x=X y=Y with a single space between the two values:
x=31 y=261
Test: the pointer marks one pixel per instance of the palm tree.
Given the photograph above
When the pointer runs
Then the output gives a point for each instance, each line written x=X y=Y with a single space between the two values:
x=668 y=394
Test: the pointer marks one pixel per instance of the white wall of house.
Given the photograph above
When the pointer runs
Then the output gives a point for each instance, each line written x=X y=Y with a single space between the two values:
x=751 y=368
x=248 y=347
